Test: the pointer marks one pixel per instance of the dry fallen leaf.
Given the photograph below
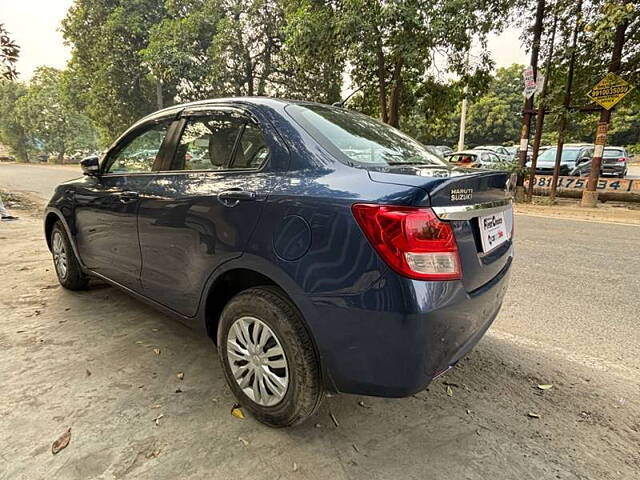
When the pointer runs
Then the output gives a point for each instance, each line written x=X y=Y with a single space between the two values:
x=156 y=406
x=88 y=372
x=157 y=419
x=334 y=419
x=237 y=412
x=449 y=391
x=180 y=375
x=244 y=441
x=545 y=386
x=363 y=405
x=61 y=442
x=295 y=467
x=154 y=329
x=533 y=415
x=156 y=351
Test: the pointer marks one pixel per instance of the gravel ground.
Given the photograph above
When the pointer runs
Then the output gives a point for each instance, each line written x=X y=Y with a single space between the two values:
x=86 y=361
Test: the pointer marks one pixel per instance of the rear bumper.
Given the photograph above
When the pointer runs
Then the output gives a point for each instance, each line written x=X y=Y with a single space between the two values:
x=564 y=170
x=613 y=169
x=396 y=337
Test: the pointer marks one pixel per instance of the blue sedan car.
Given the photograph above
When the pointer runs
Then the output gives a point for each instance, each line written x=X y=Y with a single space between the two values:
x=320 y=249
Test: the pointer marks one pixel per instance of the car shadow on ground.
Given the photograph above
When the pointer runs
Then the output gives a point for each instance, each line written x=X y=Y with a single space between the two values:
x=108 y=366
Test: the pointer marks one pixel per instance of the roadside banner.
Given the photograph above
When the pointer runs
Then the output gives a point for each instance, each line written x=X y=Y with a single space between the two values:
x=580 y=183
x=529 y=82
x=610 y=90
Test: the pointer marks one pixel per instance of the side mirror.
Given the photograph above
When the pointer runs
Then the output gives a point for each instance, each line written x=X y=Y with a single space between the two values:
x=583 y=159
x=90 y=166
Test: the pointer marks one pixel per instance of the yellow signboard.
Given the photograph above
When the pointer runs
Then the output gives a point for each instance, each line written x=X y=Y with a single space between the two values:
x=610 y=90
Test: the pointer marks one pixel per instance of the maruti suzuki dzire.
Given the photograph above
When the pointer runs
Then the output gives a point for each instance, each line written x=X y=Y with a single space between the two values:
x=320 y=249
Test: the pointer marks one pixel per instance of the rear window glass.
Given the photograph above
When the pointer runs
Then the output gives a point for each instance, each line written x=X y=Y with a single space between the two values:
x=462 y=158
x=568 y=155
x=360 y=140
x=613 y=153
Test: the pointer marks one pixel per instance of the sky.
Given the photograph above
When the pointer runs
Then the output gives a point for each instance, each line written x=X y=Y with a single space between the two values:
x=35 y=27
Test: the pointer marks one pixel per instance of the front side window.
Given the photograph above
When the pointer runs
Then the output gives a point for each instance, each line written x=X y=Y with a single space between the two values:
x=139 y=154
x=360 y=140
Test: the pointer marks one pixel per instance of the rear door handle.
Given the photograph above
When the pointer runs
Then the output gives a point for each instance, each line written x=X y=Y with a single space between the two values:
x=128 y=196
x=236 y=195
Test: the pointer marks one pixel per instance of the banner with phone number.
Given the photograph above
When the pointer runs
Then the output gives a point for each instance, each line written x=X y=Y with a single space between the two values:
x=580 y=183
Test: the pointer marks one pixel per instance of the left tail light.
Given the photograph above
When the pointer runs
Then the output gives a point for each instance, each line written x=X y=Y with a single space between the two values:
x=412 y=241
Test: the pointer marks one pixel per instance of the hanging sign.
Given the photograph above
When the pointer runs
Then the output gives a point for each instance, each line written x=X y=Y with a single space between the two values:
x=529 y=82
x=610 y=90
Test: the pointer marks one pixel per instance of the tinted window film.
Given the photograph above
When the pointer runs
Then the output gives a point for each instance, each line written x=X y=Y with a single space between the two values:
x=207 y=142
x=252 y=150
x=139 y=154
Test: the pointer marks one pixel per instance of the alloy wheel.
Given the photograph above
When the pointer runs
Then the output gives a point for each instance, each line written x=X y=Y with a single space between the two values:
x=59 y=255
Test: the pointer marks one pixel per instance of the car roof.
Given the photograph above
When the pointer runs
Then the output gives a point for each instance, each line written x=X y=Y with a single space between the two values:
x=230 y=101
x=464 y=152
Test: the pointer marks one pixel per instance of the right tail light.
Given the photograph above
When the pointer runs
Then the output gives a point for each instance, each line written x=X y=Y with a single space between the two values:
x=412 y=241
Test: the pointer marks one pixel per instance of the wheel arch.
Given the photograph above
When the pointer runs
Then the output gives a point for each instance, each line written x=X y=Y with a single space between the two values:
x=50 y=220
x=246 y=272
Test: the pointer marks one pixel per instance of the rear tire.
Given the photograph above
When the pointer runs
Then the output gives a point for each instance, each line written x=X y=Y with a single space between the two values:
x=67 y=267
x=248 y=366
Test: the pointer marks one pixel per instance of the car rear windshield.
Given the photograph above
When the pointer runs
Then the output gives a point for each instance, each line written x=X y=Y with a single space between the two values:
x=613 y=153
x=360 y=140
x=568 y=155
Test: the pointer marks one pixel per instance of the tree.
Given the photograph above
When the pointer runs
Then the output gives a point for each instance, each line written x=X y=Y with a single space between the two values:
x=392 y=46
x=12 y=132
x=48 y=117
x=113 y=84
x=314 y=53
x=9 y=51
x=494 y=118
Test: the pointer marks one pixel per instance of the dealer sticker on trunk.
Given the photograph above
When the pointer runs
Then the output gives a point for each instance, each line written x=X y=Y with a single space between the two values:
x=494 y=231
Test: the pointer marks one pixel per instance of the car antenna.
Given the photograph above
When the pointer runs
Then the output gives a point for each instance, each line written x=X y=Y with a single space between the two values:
x=342 y=102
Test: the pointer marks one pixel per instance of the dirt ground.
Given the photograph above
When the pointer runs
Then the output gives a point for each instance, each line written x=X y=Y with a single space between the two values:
x=86 y=361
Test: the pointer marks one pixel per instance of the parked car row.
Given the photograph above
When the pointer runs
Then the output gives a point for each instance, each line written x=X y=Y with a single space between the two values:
x=575 y=159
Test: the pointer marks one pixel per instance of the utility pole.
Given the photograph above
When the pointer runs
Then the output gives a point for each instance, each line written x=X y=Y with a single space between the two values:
x=541 y=108
x=528 y=104
x=463 y=120
x=562 y=127
x=590 y=195
x=463 y=110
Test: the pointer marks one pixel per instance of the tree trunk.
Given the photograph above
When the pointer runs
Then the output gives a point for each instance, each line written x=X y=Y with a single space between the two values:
x=159 y=99
x=382 y=86
x=394 y=97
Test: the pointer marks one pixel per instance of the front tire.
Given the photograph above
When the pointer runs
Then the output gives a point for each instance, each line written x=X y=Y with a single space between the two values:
x=268 y=357
x=66 y=264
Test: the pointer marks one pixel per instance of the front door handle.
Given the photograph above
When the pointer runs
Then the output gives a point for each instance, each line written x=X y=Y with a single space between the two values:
x=128 y=196
x=236 y=195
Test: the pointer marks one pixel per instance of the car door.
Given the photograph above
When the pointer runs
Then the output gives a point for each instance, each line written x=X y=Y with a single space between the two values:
x=202 y=210
x=106 y=206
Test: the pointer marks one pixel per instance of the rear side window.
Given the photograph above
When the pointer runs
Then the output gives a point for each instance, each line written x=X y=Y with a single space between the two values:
x=207 y=143
x=252 y=150
x=139 y=153
x=220 y=141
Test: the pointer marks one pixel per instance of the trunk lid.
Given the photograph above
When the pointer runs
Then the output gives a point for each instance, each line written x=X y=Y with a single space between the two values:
x=464 y=197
